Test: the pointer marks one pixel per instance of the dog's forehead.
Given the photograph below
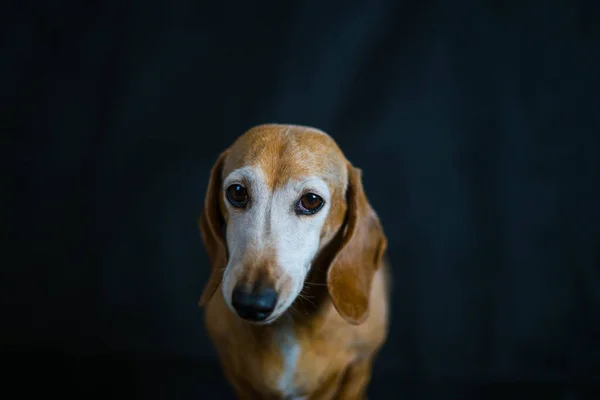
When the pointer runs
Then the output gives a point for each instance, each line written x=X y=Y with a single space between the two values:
x=288 y=152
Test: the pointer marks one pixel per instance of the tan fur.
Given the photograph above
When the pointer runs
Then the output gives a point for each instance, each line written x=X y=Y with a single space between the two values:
x=342 y=321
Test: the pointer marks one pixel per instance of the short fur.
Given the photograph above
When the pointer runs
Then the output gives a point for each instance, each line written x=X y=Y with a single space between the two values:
x=329 y=268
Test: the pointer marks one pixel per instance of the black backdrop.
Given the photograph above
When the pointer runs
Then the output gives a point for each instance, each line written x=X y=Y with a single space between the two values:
x=475 y=123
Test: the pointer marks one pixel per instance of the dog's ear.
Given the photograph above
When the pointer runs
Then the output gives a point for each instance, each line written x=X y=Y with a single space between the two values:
x=358 y=257
x=210 y=223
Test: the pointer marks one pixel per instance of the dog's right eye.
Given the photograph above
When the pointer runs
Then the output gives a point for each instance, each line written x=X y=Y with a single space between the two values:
x=237 y=195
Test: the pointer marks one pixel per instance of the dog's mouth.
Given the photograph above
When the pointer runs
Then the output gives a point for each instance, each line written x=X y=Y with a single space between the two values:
x=281 y=309
x=288 y=307
x=263 y=302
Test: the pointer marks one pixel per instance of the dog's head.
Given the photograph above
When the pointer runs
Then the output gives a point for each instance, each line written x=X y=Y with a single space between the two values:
x=276 y=199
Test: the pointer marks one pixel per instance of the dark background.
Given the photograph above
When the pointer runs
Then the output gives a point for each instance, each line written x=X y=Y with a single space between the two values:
x=476 y=125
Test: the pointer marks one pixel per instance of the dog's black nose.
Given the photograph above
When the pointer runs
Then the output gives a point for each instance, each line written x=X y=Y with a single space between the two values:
x=254 y=305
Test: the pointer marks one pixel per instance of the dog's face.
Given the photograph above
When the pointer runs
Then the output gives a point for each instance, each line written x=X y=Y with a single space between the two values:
x=280 y=194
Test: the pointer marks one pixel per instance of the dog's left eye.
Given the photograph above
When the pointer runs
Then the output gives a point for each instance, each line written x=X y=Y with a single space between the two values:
x=309 y=204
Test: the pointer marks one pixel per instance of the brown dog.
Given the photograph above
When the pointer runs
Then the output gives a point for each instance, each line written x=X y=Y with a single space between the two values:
x=297 y=300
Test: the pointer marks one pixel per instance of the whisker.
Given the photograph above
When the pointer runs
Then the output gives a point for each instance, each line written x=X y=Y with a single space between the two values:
x=290 y=312
x=302 y=301
x=314 y=284
x=304 y=297
x=304 y=306
x=294 y=310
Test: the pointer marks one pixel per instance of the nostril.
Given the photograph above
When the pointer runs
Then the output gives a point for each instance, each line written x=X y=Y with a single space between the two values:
x=255 y=305
x=240 y=297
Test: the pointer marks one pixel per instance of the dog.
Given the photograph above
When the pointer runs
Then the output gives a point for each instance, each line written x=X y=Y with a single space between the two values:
x=297 y=301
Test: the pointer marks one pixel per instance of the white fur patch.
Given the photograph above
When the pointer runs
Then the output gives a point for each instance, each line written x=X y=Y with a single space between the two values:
x=270 y=224
x=290 y=352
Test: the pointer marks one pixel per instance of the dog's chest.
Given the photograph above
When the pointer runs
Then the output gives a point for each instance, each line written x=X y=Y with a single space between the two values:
x=305 y=362
x=288 y=347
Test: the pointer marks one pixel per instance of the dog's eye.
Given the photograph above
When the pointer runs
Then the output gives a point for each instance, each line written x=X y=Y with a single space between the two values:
x=237 y=195
x=310 y=203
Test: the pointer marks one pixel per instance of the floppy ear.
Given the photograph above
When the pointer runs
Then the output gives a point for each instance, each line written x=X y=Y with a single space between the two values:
x=210 y=223
x=357 y=259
